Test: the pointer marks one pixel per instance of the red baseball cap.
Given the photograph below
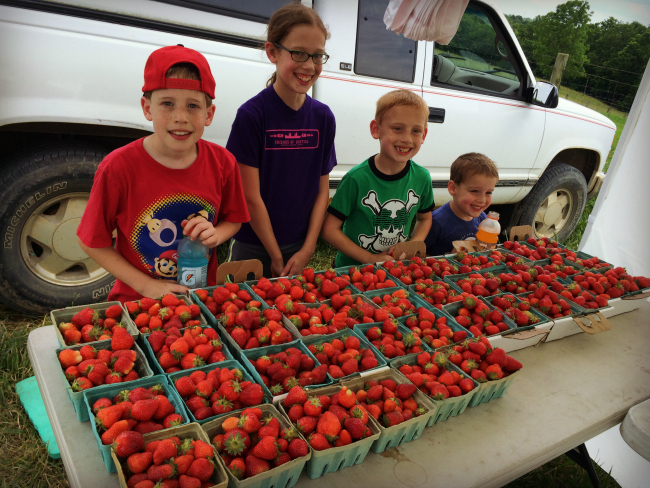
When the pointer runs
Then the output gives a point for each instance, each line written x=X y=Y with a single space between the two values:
x=164 y=58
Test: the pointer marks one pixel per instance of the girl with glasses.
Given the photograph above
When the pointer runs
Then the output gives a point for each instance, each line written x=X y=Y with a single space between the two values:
x=283 y=141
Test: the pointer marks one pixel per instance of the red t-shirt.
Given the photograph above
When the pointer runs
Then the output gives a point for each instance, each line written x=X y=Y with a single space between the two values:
x=146 y=203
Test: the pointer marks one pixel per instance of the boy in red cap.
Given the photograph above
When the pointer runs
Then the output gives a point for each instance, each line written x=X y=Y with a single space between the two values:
x=159 y=188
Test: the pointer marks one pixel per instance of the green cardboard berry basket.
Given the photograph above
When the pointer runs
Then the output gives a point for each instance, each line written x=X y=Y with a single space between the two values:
x=284 y=476
x=407 y=431
x=491 y=261
x=65 y=315
x=575 y=308
x=542 y=318
x=504 y=251
x=415 y=300
x=345 y=270
x=155 y=365
x=91 y=396
x=230 y=364
x=209 y=316
x=188 y=301
x=452 y=309
x=449 y=407
x=219 y=478
x=237 y=351
x=250 y=284
x=362 y=329
x=451 y=321
x=584 y=255
x=319 y=339
x=77 y=398
x=337 y=458
x=249 y=355
x=491 y=390
x=495 y=270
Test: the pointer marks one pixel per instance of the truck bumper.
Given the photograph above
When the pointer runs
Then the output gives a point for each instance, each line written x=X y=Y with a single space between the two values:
x=595 y=187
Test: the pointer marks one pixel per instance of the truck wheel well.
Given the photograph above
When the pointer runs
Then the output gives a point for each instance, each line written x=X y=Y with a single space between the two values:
x=584 y=160
x=17 y=137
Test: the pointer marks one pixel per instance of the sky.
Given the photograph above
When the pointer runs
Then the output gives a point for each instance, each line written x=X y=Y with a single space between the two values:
x=623 y=10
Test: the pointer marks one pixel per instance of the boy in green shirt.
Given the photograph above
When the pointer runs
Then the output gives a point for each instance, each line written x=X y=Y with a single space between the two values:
x=376 y=201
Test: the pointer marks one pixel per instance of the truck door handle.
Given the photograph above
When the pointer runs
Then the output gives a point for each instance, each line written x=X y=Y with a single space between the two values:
x=436 y=115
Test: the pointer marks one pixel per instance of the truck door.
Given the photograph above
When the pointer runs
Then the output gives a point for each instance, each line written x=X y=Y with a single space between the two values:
x=475 y=89
x=366 y=61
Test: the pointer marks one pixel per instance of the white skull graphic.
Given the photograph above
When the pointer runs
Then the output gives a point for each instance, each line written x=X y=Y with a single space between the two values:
x=389 y=225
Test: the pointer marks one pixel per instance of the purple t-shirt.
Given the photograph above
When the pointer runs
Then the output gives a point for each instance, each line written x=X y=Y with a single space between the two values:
x=292 y=149
x=447 y=227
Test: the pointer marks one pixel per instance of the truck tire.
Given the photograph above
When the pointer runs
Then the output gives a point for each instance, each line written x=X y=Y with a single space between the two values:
x=555 y=204
x=43 y=193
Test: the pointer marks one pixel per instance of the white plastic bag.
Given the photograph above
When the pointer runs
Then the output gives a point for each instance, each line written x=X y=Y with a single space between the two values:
x=425 y=20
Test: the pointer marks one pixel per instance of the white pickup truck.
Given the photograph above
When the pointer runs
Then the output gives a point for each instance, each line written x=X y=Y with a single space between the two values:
x=70 y=88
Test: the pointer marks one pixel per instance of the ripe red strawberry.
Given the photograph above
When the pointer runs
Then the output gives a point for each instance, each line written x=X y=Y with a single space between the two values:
x=113 y=312
x=128 y=443
x=266 y=448
x=297 y=395
x=144 y=410
x=85 y=317
x=252 y=395
x=201 y=468
x=298 y=448
x=121 y=339
x=255 y=465
x=139 y=462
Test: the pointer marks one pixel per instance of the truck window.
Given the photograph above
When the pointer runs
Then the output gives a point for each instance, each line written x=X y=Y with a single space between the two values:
x=477 y=58
x=382 y=53
x=255 y=10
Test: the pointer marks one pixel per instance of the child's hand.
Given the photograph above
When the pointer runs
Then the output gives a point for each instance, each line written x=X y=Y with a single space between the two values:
x=159 y=288
x=297 y=263
x=382 y=257
x=200 y=228
x=391 y=252
x=276 y=267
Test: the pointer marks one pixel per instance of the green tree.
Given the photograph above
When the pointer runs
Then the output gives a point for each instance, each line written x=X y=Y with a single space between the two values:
x=563 y=31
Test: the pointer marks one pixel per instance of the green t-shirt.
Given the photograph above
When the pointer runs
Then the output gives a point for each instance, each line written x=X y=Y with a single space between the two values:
x=377 y=209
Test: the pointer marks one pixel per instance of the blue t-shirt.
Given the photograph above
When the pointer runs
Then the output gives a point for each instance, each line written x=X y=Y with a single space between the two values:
x=447 y=227
x=292 y=150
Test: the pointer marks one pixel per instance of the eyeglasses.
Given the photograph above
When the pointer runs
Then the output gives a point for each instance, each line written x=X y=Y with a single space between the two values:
x=302 y=56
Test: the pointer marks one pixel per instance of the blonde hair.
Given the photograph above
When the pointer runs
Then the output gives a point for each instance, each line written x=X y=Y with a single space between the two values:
x=401 y=97
x=286 y=18
x=470 y=164
x=185 y=71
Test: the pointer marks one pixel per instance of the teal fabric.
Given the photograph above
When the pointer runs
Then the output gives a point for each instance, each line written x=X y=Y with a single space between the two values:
x=30 y=397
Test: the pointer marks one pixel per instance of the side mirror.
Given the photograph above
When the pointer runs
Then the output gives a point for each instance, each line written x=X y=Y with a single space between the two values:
x=545 y=94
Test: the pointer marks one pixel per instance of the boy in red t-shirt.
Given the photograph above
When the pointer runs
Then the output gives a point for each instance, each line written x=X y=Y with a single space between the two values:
x=159 y=188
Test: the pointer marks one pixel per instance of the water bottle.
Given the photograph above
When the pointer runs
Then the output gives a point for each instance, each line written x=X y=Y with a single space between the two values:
x=489 y=230
x=192 y=263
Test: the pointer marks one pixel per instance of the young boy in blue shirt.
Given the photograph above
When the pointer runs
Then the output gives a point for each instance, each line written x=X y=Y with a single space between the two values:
x=473 y=177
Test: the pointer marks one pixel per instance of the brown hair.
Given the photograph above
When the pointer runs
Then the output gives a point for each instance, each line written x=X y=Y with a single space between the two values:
x=286 y=18
x=471 y=164
x=185 y=71
x=401 y=97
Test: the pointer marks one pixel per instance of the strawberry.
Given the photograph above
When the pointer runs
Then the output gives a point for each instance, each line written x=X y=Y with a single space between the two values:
x=255 y=465
x=70 y=357
x=139 y=461
x=113 y=312
x=266 y=448
x=298 y=448
x=297 y=395
x=85 y=317
x=201 y=468
x=128 y=443
x=121 y=339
